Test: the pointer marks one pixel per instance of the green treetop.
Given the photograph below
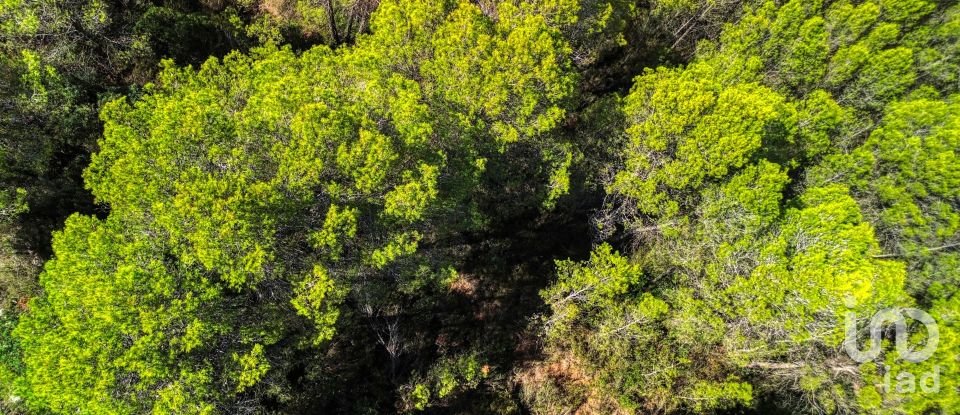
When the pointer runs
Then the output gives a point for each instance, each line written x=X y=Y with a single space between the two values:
x=250 y=197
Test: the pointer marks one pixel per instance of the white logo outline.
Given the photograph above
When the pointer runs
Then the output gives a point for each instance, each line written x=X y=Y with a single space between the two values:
x=895 y=316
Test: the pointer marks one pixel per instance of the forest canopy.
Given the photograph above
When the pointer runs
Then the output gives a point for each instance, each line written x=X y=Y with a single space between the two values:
x=504 y=207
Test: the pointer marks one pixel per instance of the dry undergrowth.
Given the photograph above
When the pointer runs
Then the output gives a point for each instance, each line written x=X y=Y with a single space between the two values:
x=560 y=385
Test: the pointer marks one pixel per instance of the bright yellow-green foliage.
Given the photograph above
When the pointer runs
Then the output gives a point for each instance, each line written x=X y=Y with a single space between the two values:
x=596 y=287
x=910 y=168
x=283 y=228
x=943 y=363
x=906 y=174
x=92 y=330
x=817 y=268
x=39 y=115
x=767 y=202
x=700 y=122
x=896 y=386
x=251 y=367
x=248 y=196
x=849 y=49
x=316 y=299
x=748 y=293
x=495 y=71
x=22 y=17
x=445 y=377
x=688 y=126
x=635 y=344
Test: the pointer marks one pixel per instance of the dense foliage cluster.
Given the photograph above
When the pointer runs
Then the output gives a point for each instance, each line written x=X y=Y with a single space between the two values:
x=549 y=206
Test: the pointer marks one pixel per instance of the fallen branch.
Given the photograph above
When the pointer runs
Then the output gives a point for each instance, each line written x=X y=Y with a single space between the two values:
x=933 y=249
